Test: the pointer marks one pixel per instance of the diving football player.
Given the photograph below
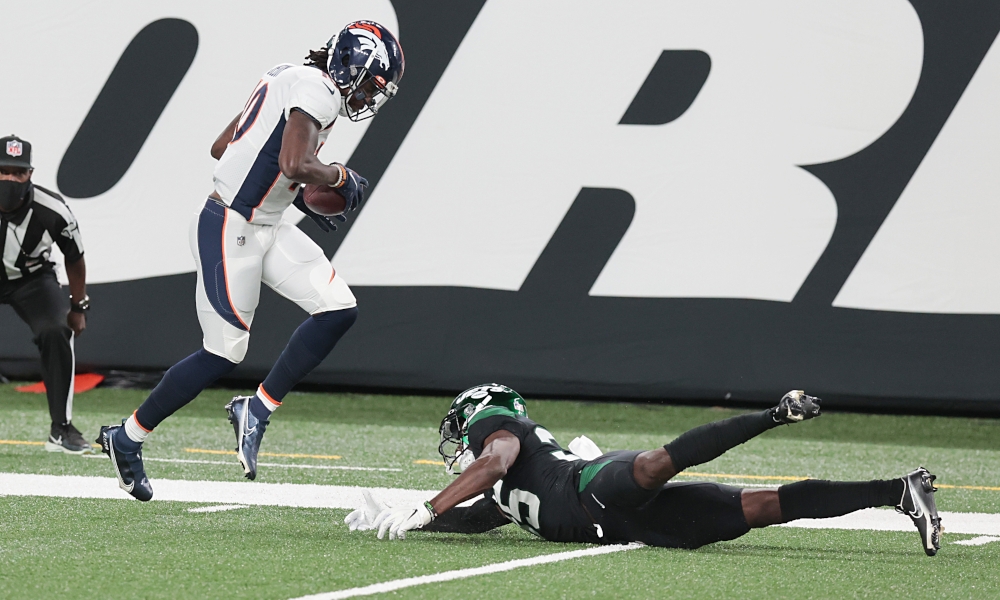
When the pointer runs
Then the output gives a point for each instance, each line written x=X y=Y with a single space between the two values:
x=625 y=496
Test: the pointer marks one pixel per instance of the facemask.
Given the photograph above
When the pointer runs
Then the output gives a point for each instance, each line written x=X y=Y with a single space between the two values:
x=12 y=194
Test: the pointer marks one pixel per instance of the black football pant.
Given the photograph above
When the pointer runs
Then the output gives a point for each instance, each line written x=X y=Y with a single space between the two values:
x=686 y=514
x=43 y=305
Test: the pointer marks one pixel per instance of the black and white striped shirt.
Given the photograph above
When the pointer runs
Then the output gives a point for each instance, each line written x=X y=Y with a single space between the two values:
x=27 y=234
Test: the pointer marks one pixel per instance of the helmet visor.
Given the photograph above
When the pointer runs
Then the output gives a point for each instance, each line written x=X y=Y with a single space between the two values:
x=366 y=95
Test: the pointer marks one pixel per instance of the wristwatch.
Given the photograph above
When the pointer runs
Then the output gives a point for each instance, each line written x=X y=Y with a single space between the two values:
x=80 y=307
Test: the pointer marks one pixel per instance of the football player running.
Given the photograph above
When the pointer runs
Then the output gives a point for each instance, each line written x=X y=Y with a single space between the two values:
x=239 y=240
x=624 y=496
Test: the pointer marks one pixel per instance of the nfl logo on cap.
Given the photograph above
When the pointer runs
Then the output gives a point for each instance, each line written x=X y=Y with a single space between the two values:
x=14 y=148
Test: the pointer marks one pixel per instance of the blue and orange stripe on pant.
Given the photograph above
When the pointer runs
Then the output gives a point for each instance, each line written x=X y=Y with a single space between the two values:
x=212 y=252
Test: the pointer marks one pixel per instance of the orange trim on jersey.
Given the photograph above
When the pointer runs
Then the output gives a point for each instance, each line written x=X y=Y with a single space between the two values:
x=225 y=270
x=253 y=211
x=247 y=105
x=264 y=393
x=246 y=108
x=136 y=417
x=332 y=276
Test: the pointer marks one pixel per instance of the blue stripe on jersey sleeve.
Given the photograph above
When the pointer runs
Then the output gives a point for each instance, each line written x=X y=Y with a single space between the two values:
x=262 y=175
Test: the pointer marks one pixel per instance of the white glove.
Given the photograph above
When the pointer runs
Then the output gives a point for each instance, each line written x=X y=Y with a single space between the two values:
x=397 y=521
x=363 y=518
x=462 y=462
x=585 y=448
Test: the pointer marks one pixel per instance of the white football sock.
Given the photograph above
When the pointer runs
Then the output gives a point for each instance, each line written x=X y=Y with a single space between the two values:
x=134 y=431
x=266 y=400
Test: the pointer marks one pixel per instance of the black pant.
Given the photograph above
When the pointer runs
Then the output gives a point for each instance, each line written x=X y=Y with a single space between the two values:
x=42 y=304
x=686 y=514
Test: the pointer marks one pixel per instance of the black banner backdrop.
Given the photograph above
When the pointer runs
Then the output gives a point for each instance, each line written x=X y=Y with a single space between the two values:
x=552 y=338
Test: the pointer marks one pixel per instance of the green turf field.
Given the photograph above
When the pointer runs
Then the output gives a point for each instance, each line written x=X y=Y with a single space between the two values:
x=53 y=547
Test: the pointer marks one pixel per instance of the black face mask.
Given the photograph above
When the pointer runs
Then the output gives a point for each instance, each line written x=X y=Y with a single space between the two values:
x=12 y=194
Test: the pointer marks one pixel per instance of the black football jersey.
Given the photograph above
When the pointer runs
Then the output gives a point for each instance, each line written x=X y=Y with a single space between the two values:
x=539 y=490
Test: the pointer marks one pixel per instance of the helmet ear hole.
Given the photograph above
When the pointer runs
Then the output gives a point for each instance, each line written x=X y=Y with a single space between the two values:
x=345 y=59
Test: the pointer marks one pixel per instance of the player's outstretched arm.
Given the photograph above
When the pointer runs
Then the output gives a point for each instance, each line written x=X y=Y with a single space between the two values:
x=221 y=142
x=481 y=517
x=499 y=453
x=297 y=158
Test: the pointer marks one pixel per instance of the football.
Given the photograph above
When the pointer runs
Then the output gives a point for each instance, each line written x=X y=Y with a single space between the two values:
x=324 y=200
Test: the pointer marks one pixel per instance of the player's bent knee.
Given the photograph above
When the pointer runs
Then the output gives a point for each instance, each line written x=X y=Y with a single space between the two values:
x=333 y=295
x=231 y=348
x=761 y=507
x=53 y=334
x=653 y=468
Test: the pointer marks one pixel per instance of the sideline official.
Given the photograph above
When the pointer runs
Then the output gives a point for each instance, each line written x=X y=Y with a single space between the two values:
x=31 y=219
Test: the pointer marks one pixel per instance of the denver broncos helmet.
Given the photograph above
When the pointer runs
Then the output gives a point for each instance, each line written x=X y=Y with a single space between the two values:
x=454 y=446
x=365 y=51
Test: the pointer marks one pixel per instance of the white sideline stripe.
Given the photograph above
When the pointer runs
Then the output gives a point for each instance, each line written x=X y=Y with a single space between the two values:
x=880 y=519
x=261 y=464
x=342 y=496
x=398 y=584
x=218 y=508
x=978 y=541
x=207 y=492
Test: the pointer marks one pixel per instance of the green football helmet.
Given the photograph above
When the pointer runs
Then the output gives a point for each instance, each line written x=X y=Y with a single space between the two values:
x=454 y=446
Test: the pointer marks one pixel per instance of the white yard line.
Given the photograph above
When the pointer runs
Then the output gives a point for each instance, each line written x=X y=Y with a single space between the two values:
x=216 y=508
x=398 y=584
x=977 y=541
x=342 y=496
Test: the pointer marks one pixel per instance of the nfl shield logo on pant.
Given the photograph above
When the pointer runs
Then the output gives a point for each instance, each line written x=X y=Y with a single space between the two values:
x=241 y=240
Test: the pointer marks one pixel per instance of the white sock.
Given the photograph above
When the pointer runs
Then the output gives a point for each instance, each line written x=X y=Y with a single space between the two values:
x=134 y=431
x=266 y=400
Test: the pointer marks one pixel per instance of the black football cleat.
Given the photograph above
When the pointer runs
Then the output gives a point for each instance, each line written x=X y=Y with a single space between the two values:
x=68 y=439
x=127 y=463
x=918 y=503
x=796 y=406
x=249 y=433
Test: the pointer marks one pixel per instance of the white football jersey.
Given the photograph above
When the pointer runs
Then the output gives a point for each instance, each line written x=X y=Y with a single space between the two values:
x=248 y=177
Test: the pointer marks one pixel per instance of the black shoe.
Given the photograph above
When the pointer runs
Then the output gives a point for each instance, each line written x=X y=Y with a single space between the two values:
x=796 y=406
x=127 y=463
x=249 y=433
x=68 y=439
x=918 y=503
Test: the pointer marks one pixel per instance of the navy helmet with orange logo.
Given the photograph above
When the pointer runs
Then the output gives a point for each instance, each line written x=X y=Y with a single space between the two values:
x=365 y=51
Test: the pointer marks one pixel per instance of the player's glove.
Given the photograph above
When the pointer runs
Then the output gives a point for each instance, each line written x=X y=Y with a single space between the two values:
x=352 y=188
x=363 y=518
x=796 y=406
x=397 y=521
x=324 y=222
